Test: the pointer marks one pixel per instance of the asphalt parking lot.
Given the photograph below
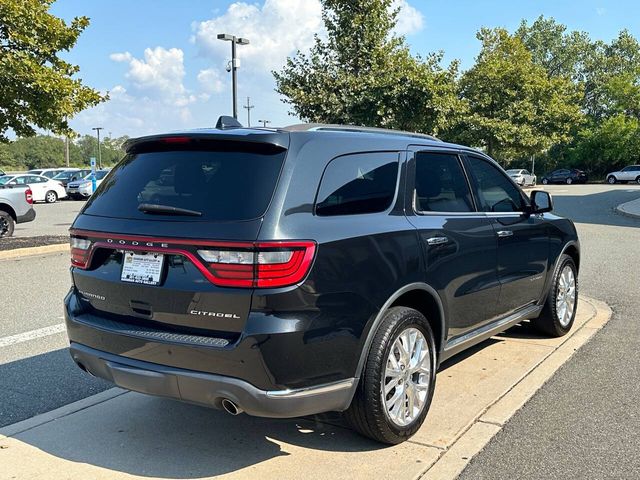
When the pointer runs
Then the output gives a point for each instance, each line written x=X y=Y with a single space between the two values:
x=589 y=405
x=51 y=219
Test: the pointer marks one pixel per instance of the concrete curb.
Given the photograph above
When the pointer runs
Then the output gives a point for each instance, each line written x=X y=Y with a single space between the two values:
x=629 y=209
x=480 y=432
x=26 y=252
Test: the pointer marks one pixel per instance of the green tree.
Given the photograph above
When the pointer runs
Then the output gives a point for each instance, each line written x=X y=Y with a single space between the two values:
x=364 y=75
x=38 y=87
x=515 y=108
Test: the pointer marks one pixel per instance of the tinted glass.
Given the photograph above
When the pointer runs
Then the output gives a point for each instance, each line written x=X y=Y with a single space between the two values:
x=356 y=184
x=495 y=192
x=4 y=180
x=440 y=184
x=222 y=185
x=101 y=174
x=65 y=175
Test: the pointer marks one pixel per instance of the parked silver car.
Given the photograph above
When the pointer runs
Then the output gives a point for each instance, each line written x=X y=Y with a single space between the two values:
x=522 y=177
x=627 y=174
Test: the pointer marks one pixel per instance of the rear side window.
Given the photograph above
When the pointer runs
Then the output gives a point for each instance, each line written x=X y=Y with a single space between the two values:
x=357 y=184
x=228 y=184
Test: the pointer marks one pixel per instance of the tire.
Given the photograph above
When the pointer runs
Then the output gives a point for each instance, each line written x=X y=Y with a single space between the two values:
x=611 y=180
x=6 y=224
x=545 y=181
x=569 y=181
x=51 y=197
x=638 y=180
x=552 y=320
x=368 y=413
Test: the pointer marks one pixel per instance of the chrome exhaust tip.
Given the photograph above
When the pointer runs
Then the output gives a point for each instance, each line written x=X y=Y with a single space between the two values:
x=230 y=407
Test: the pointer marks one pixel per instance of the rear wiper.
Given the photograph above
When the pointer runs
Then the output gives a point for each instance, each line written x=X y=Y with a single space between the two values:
x=167 y=210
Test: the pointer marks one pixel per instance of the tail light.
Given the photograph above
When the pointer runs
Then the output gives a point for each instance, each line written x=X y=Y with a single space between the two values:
x=28 y=196
x=267 y=265
x=80 y=250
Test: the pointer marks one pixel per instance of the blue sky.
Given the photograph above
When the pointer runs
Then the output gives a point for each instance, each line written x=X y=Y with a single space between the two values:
x=164 y=69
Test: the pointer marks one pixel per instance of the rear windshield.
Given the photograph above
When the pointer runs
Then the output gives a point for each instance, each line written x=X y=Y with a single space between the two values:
x=227 y=185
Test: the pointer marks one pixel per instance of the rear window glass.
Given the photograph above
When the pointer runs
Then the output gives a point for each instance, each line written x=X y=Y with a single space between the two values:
x=229 y=185
x=357 y=184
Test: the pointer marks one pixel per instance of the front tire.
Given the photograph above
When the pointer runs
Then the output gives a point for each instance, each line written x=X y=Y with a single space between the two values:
x=611 y=180
x=638 y=180
x=545 y=181
x=559 y=312
x=569 y=181
x=6 y=224
x=398 y=379
x=51 y=197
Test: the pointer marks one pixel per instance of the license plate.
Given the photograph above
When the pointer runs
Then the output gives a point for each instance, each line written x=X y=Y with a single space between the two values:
x=143 y=267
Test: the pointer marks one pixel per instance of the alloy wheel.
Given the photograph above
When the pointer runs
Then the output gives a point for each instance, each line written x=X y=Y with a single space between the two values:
x=51 y=197
x=566 y=296
x=407 y=377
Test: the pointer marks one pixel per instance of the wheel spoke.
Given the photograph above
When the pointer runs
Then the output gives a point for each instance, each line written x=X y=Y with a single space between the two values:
x=407 y=377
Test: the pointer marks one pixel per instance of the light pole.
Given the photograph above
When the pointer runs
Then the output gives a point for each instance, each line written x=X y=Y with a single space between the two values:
x=97 y=129
x=234 y=65
x=264 y=122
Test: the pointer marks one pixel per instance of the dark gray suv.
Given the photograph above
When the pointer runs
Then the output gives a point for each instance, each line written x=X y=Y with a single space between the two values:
x=292 y=271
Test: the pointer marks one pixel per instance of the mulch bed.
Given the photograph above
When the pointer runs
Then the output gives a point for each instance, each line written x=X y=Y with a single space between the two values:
x=25 y=242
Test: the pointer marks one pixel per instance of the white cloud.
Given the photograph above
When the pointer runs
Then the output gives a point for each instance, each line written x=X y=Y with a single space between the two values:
x=160 y=74
x=410 y=19
x=275 y=30
x=210 y=80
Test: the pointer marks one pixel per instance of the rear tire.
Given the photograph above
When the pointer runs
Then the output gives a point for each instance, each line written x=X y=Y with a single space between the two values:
x=545 y=181
x=403 y=377
x=611 y=180
x=7 y=224
x=559 y=312
x=51 y=197
x=638 y=180
x=569 y=181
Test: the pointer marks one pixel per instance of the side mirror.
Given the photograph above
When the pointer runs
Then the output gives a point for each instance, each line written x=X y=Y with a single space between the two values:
x=541 y=202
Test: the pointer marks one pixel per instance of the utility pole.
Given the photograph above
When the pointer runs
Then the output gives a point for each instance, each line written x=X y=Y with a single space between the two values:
x=264 y=122
x=234 y=66
x=97 y=129
x=248 y=106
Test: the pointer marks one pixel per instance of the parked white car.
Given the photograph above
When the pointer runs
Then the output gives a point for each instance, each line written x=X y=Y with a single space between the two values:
x=627 y=174
x=522 y=177
x=44 y=189
x=46 y=172
x=84 y=188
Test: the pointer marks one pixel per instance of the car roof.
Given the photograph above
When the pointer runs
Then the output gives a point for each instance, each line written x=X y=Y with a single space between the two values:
x=280 y=137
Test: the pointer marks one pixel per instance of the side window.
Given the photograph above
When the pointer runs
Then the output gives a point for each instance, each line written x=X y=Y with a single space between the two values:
x=22 y=180
x=495 y=192
x=440 y=184
x=356 y=184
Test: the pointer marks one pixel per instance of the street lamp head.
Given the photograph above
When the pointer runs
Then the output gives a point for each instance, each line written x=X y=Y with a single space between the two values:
x=242 y=41
x=226 y=37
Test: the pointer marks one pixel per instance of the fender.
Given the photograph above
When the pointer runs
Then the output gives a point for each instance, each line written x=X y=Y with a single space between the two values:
x=378 y=320
x=556 y=266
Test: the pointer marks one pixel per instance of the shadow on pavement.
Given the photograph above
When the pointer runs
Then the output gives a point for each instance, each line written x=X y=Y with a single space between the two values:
x=41 y=383
x=153 y=437
x=597 y=208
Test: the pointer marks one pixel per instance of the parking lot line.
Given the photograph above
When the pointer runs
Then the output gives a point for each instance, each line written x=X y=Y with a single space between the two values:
x=31 y=335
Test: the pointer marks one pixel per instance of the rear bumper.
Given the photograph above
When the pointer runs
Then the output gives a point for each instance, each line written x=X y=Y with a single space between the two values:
x=27 y=217
x=209 y=389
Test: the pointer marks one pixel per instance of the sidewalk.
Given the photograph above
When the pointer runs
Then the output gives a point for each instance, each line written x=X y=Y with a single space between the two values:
x=118 y=434
x=630 y=209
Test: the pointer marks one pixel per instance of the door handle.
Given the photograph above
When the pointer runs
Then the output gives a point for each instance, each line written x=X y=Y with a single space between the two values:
x=437 y=240
x=505 y=233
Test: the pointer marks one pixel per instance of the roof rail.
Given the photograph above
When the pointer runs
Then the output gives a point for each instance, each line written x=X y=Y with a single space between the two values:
x=310 y=127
